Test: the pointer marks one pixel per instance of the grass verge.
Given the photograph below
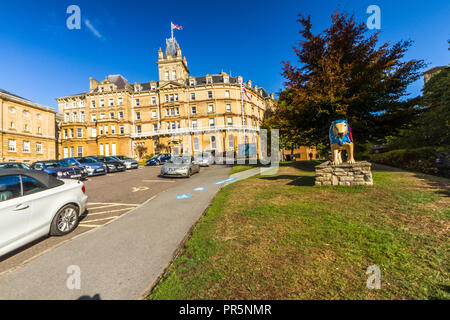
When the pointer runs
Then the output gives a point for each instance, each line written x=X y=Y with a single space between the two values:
x=281 y=237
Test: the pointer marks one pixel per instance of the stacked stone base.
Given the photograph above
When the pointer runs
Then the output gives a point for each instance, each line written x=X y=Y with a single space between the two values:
x=357 y=174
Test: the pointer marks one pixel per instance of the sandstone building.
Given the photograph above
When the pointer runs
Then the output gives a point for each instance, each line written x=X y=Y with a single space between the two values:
x=27 y=130
x=178 y=113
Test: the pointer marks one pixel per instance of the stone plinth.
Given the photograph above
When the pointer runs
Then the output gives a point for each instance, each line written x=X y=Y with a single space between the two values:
x=357 y=174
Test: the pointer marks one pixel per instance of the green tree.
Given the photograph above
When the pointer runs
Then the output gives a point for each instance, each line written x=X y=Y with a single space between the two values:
x=431 y=127
x=343 y=74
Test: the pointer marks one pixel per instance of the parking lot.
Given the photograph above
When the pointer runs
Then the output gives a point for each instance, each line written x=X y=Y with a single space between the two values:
x=110 y=196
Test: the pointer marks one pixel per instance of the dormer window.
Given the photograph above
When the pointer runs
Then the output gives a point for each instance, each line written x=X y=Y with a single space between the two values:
x=102 y=89
x=192 y=82
x=208 y=80
x=226 y=80
x=153 y=86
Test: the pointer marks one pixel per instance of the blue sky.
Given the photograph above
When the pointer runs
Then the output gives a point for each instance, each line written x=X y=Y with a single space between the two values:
x=41 y=59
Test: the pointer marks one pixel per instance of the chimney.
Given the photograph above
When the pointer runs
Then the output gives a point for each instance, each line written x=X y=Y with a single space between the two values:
x=93 y=84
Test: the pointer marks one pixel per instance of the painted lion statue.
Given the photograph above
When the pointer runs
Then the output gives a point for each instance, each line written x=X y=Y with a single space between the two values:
x=341 y=139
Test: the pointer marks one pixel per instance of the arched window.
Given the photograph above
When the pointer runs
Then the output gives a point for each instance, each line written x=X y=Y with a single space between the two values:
x=213 y=142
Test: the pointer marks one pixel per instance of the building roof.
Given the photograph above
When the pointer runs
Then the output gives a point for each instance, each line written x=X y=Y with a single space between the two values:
x=119 y=81
x=11 y=94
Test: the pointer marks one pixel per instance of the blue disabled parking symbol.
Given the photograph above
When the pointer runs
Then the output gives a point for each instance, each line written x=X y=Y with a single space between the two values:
x=183 y=196
x=201 y=189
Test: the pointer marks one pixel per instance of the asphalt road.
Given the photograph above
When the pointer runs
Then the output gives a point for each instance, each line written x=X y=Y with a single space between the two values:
x=120 y=260
x=110 y=196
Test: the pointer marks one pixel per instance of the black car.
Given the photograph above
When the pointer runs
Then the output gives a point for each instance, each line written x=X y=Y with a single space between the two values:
x=60 y=169
x=14 y=165
x=112 y=164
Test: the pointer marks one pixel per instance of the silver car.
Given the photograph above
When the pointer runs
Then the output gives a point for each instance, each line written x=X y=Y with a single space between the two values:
x=180 y=166
x=204 y=159
x=128 y=162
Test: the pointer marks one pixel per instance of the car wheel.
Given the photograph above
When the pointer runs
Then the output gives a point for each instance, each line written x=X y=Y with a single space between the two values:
x=189 y=173
x=65 y=221
x=158 y=163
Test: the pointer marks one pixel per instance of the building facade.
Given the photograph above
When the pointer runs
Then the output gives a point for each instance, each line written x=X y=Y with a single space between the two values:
x=300 y=153
x=28 y=130
x=178 y=113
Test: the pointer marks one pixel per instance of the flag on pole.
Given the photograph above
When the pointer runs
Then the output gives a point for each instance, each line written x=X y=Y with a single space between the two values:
x=245 y=91
x=174 y=26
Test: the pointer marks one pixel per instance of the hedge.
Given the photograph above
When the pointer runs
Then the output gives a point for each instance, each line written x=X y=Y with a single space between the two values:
x=430 y=160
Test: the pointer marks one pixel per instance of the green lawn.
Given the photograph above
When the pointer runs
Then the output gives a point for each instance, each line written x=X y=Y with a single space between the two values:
x=281 y=237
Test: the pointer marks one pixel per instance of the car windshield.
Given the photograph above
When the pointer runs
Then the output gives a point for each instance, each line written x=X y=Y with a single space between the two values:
x=86 y=160
x=109 y=159
x=51 y=164
x=180 y=160
x=124 y=158
x=14 y=165
x=64 y=163
x=204 y=155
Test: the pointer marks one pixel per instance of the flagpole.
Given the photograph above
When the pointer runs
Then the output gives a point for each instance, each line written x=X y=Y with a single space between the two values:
x=171 y=29
x=243 y=111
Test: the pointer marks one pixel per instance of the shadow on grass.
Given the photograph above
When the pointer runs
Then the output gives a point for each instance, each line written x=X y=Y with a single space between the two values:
x=295 y=180
x=308 y=166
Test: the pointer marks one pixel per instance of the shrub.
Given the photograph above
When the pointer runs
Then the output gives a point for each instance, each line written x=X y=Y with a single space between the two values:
x=430 y=160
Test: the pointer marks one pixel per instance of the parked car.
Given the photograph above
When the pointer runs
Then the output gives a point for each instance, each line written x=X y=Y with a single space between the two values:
x=92 y=166
x=34 y=204
x=181 y=166
x=14 y=165
x=158 y=159
x=60 y=169
x=129 y=163
x=204 y=159
x=112 y=164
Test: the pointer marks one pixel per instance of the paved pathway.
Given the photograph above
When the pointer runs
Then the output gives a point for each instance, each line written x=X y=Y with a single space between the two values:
x=121 y=260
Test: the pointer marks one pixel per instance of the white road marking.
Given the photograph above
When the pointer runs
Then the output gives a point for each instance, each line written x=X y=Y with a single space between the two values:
x=112 y=205
x=89 y=225
x=101 y=219
x=103 y=212
x=137 y=189
x=115 y=203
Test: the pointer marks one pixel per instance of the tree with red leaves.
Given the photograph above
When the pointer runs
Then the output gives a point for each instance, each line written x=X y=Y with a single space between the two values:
x=343 y=74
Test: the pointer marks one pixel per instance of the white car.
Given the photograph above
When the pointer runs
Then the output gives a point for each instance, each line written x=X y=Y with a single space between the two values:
x=204 y=159
x=34 y=204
